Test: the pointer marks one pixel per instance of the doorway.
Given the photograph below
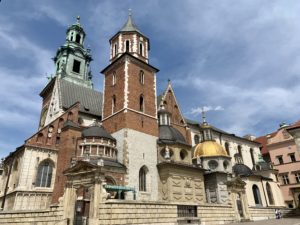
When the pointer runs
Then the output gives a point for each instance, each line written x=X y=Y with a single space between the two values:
x=82 y=209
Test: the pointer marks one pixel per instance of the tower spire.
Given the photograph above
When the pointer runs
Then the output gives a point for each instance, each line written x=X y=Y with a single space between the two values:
x=203 y=116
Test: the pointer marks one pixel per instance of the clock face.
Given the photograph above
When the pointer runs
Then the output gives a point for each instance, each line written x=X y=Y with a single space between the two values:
x=43 y=116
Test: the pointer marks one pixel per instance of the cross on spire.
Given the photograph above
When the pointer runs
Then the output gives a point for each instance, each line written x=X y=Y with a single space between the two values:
x=78 y=20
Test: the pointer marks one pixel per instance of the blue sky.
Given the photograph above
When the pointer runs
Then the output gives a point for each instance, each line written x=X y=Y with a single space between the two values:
x=239 y=59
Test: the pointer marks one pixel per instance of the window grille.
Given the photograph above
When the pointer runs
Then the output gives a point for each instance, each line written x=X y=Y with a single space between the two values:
x=186 y=211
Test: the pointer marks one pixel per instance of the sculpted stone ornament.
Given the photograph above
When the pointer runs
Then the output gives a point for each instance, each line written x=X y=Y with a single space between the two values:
x=167 y=153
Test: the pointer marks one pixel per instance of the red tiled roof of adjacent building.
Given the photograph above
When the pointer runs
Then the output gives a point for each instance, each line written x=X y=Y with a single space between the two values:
x=264 y=139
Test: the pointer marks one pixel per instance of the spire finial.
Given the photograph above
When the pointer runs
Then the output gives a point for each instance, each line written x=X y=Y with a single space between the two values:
x=129 y=12
x=169 y=81
x=78 y=19
x=203 y=116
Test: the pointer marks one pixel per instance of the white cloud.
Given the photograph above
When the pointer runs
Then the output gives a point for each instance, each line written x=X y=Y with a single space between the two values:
x=199 y=110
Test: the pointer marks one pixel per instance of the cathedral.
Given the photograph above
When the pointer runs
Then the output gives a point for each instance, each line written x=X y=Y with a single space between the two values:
x=127 y=155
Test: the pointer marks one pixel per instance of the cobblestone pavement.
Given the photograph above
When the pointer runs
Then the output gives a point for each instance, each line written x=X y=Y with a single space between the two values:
x=284 y=221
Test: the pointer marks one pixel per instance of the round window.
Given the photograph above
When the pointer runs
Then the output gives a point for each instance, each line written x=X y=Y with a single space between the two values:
x=225 y=164
x=212 y=164
x=182 y=154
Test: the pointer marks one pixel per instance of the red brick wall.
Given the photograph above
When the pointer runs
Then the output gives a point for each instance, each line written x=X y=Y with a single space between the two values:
x=117 y=89
x=66 y=151
x=42 y=138
x=130 y=119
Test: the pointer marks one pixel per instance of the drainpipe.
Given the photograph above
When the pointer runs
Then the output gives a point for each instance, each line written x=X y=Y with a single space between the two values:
x=264 y=191
x=6 y=186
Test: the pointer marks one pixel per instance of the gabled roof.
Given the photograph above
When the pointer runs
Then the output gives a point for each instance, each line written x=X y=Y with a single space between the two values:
x=90 y=100
x=162 y=98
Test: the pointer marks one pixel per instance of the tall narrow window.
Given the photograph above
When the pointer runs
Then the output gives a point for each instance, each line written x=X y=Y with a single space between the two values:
x=252 y=156
x=76 y=66
x=297 y=177
x=72 y=36
x=142 y=103
x=142 y=77
x=141 y=49
x=270 y=194
x=142 y=178
x=227 y=148
x=256 y=195
x=113 y=104
x=292 y=157
x=127 y=46
x=114 y=78
x=240 y=153
x=44 y=175
x=78 y=38
x=115 y=50
x=196 y=139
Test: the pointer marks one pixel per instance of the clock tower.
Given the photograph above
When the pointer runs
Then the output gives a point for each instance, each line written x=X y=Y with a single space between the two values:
x=72 y=71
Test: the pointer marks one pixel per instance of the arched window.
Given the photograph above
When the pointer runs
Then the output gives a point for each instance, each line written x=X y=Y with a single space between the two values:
x=141 y=49
x=252 y=156
x=114 y=78
x=256 y=195
x=142 y=77
x=70 y=116
x=39 y=138
x=78 y=38
x=196 y=139
x=142 y=178
x=141 y=103
x=127 y=45
x=72 y=36
x=113 y=103
x=270 y=194
x=44 y=174
x=227 y=148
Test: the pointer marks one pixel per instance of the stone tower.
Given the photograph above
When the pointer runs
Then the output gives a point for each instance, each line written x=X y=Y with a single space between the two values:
x=130 y=107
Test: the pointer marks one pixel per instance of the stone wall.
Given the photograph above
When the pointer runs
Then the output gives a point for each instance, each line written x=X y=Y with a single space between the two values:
x=269 y=213
x=36 y=217
x=120 y=212
x=138 y=212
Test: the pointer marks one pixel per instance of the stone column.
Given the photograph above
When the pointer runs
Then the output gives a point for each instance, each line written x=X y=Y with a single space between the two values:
x=98 y=196
x=69 y=202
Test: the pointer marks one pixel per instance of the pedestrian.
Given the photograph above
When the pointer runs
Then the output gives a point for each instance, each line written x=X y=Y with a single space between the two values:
x=280 y=214
x=276 y=213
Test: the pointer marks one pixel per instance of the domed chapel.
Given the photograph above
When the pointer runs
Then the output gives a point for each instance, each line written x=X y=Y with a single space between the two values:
x=127 y=155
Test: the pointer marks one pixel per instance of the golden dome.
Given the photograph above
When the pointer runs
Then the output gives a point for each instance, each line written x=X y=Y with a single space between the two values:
x=209 y=148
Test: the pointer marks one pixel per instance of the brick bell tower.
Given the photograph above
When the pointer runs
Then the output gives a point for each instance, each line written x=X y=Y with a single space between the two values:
x=130 y=108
